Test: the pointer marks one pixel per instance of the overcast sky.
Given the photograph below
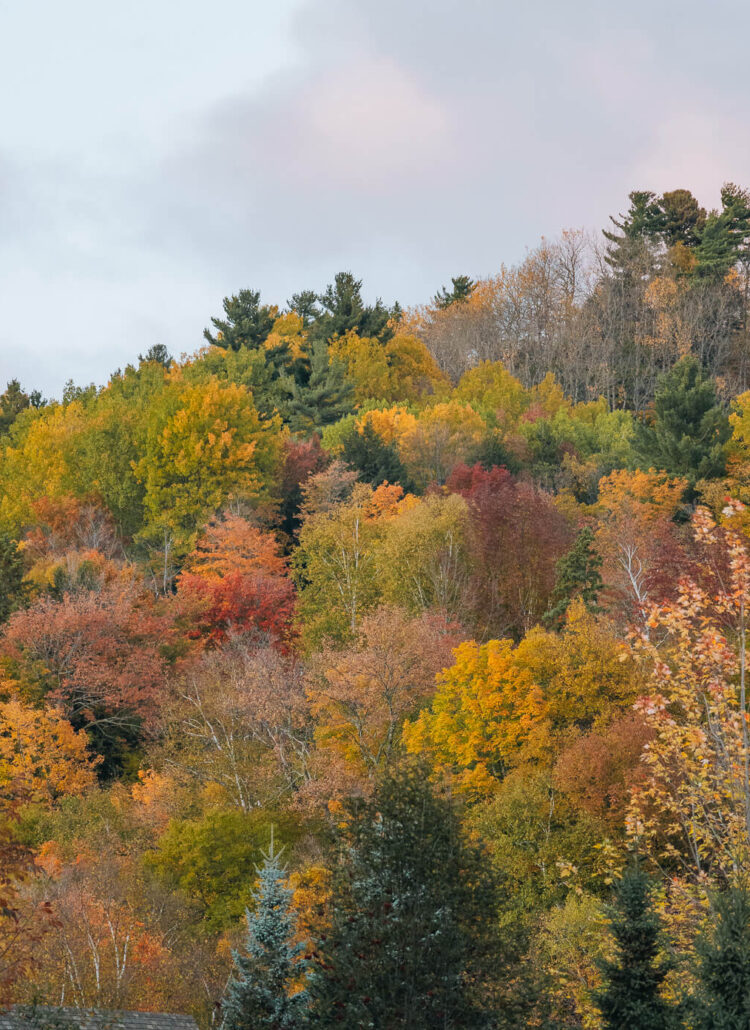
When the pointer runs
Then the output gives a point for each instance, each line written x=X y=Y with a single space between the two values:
x=157 y=155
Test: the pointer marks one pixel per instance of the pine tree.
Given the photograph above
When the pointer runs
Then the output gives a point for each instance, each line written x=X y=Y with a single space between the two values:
x=577 y=576
x=410 y=908
x=343 y=311
x=262 y=994
x=689 y=430
x=630 y=998
x=375 y=460
x=723 y=1001
x=320 y=395
x=247 y=322
x=629 y=250
x=684 y=218
x=12 y=586
x=462 y=289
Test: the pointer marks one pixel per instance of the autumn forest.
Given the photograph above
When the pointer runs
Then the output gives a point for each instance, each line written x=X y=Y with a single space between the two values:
x=382 y=666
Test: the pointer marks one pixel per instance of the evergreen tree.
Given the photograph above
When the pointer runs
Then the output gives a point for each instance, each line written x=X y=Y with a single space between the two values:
x=375 y=460
x=462 y=289
x=305 y=304
x=320 y=394
x=629 y=249
x=13 y=401
x=343 y=311
x=723 y=1000
x=12 y=586
x=158 y=353
x=689 y=430
x=684 y=218
x=577 y=576
x=247 y=322
x=410 y=908
x=262 y=995
x=725 y=238
x=630 y=998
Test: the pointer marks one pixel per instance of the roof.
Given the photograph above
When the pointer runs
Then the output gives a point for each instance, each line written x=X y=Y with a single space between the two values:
x=43 y=1017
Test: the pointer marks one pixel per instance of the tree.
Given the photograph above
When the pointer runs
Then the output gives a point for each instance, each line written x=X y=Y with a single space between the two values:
x=13 y=401
x=461 y=290
x=98 y=655
x=335 y=564
x=724 y=239
x=12 y=587
x=637 y=231
x=264 y=992
x=375 y=460
x=631 y=993
x=410 y=914
x=689 y=429
x=343 y=310
x=361 y=695
x=158 y=354
x=723 y=995
x=500 y=706
x=322 y=394
x=206 y=445
x=694 y=807
x=247 y=322
x=684 y=218
x=577 y=576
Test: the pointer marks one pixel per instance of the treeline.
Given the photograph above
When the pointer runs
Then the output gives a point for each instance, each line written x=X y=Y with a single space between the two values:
x=419 y=634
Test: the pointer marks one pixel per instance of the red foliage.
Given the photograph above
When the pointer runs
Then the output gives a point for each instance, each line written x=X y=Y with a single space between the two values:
x=238 y=603
x=97 y=654
x=598 y=771
x=516 y=537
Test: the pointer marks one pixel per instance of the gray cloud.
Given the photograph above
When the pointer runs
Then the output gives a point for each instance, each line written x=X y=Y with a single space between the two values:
x=407 y=141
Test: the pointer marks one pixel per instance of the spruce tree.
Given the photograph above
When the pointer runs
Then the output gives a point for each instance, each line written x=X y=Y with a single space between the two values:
x=262 y=994
x=630 y=998
x=689 y=429
x=577 y=576
x=723 y=998
x=410 y=908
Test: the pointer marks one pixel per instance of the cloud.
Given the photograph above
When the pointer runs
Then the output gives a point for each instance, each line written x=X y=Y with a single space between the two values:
x=408 y=140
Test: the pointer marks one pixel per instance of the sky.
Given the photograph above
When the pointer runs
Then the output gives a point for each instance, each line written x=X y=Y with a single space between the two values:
x=158 y=155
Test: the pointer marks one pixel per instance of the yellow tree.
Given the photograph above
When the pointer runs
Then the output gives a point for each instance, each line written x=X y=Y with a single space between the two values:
x=41 y=755
x=499 y=705
x=695 y=805
x=206 y=444
x=444 y=436
x=335 y=563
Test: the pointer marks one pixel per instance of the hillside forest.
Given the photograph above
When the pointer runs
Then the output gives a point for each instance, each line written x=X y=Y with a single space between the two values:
x=382 y=666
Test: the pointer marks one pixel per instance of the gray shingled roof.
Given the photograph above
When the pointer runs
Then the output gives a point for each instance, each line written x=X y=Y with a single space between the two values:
x=26 y=1017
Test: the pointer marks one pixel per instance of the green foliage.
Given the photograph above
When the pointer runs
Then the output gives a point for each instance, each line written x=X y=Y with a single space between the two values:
x=262 y=994
x=12 y=587
x=342 y=310
x=631 y=993
x=212 y=859
x=247 y=322
x=723 y=995
x=689 y=430
x=375 y=460
x=577 y=576
x=320 y=395
x=410 y=915
x=461 y=289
